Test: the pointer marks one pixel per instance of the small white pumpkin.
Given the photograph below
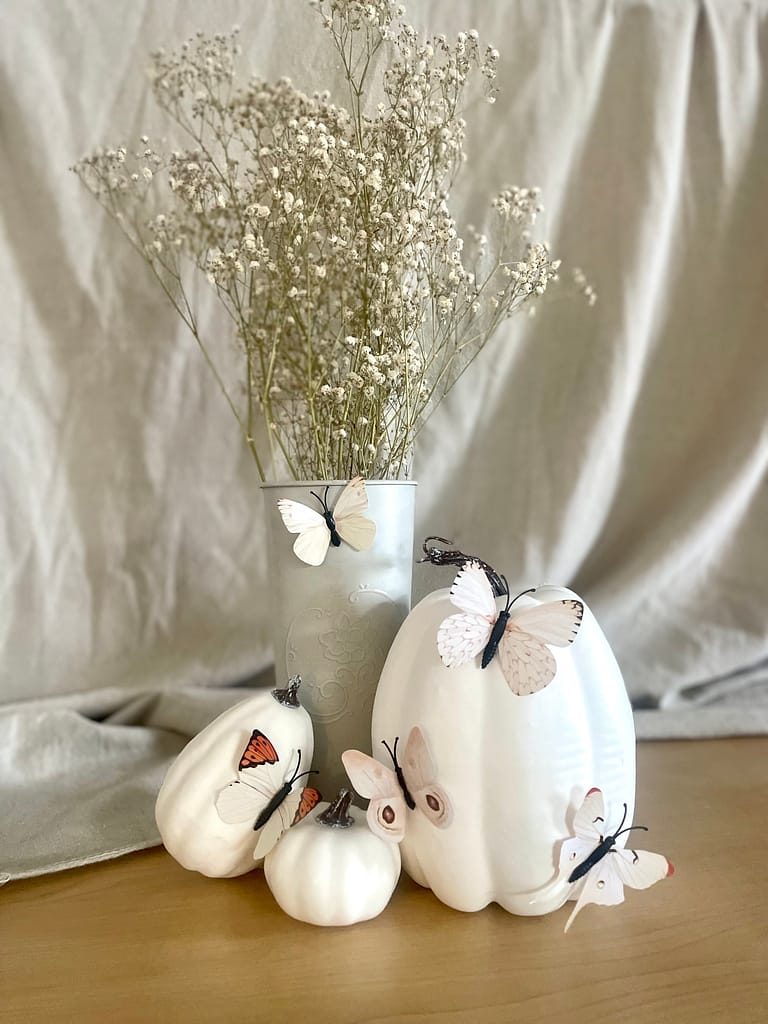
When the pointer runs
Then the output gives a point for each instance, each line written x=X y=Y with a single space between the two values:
x=514 y=768
x=330 y=869
x=189 y=824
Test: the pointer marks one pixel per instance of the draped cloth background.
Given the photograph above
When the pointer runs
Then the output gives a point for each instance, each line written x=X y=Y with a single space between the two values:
x=620 y=450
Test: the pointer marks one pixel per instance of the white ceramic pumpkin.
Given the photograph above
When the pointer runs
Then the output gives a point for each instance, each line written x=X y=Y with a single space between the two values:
x=330 y=869
x=189 y=824
x=513 y=767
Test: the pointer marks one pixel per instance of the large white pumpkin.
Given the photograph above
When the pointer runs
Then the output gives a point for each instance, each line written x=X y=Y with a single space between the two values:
x=514 y=767
x=186 y=815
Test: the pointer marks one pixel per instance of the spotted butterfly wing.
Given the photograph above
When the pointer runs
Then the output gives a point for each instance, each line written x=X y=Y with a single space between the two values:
x=371 y=779
x=604 y=882
x=419 y=773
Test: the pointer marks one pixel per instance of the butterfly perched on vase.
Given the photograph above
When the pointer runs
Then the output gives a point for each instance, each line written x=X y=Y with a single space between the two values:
x=264 y=793
x=320 y=530
x=596 y=867
x=391 y=791
x=518 y=638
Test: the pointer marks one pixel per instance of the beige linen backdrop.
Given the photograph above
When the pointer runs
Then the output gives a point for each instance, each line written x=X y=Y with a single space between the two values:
x=620 y=450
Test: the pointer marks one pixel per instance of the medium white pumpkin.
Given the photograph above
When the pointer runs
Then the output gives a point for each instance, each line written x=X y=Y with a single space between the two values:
x=330 y=869
x=186 y=815
x=513 y=767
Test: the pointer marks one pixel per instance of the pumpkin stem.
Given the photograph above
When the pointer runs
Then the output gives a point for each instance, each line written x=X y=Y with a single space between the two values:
x=335 y=815
x=290 y=695
x=437 y=556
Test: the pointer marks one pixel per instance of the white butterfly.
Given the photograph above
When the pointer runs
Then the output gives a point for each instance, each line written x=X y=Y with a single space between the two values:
x=318 y=530
x=519 y=637
x=263 y=792
x=392 y=790
x=599 y=870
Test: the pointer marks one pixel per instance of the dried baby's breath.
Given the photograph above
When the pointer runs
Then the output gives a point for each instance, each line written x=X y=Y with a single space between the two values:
x=326 y=233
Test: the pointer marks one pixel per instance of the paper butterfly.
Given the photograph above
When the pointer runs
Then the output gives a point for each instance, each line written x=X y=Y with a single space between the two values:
x=318 y=530
x=391 y=790
x=597 y=868
x=525 y=661
x=263 y=791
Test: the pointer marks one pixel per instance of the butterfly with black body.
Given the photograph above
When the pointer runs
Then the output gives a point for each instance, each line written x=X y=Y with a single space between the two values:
x=519 y=637
x=264 y=791
x=408 y=785
x=317 y=531
x=597 y=867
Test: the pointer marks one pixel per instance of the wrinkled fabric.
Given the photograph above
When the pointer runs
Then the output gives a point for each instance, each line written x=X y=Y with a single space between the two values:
x=620 y=450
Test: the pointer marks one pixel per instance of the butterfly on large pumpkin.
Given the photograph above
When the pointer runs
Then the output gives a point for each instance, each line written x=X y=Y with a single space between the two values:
x=264 y=793
x=599 y=869
x=517 y=639
x=393 y=791
x=317 y=531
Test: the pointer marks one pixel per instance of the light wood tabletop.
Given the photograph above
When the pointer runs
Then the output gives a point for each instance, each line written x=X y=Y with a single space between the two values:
x=141 y=940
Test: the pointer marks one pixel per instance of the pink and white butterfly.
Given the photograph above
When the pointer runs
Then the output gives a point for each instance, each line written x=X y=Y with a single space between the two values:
x=597 y=868
x=392 y=791
x=519 y=637
x=318 y=530
x=263 y=792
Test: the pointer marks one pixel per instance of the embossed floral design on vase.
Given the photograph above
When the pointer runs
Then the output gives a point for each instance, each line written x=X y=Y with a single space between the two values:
x=335 y=622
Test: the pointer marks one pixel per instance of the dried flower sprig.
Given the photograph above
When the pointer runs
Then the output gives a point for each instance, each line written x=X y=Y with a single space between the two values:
x=326 y=233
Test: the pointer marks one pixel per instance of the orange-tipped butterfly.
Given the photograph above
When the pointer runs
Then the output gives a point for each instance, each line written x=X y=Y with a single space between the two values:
x=519 y=637
x=392 y=790
x=319 y=530
x=597 y=868
x=263 y=791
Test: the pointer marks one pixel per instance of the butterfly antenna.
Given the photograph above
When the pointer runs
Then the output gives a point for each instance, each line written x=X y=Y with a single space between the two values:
x=623 y=819
x=392 y=751
x=325 y=496
x=643 y=828
x=316 y=495
x=531 y=590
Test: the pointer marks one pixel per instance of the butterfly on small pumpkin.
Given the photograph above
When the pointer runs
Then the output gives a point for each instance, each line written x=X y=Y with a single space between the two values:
x=519 y=638
x=393 y=791
x=264 y=791
x=317 y=531
x=599 y=869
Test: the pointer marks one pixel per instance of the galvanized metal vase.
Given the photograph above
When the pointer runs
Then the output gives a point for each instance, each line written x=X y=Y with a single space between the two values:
x=333 y=624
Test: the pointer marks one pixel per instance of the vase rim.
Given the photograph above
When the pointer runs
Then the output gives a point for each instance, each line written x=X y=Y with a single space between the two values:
x=338 y=483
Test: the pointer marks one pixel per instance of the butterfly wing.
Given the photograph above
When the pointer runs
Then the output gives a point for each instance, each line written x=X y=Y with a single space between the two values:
x=639 y=869
x=259 y=750
x=352 y=526
x=602 y=885
x=310 y=797
x=526 y=664
x=386 y=811
x=419 y=772
x=589 y=820
x=314 y=537
x=244 y=798
x=555 y=622
x=460 y=638
x=471 y=593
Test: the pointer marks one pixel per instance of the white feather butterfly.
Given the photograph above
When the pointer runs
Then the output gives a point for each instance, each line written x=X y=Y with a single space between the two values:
x=318 y=530
x=392 y=790
x=520 y=637
x=263 y=792
x=597 y=868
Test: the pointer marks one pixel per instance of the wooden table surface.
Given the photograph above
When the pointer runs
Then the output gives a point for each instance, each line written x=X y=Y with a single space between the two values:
x=141 y=940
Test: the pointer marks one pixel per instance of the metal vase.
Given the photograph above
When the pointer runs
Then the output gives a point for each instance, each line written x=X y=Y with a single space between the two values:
x=333 y=624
